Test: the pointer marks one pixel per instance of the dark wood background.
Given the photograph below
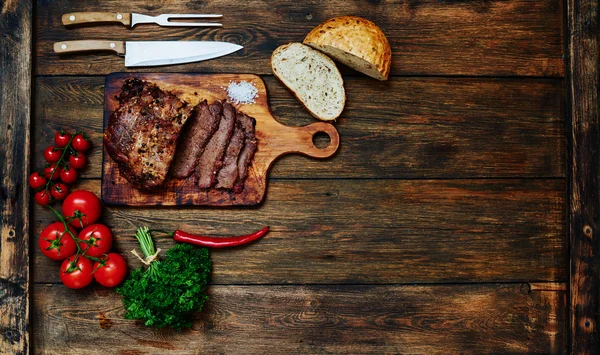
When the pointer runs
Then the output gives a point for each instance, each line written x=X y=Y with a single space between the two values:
x=440 y=226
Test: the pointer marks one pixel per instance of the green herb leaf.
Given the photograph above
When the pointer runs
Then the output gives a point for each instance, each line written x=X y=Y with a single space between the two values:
x=167 y=292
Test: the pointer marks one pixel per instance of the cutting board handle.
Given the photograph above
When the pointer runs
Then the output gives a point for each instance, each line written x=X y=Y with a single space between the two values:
x=300 y=140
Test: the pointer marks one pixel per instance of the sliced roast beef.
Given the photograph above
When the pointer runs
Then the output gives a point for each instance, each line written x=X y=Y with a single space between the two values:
x=197 y=133
x=212 y=158
x=247 y=153
x=229 y=172
x=142 y=133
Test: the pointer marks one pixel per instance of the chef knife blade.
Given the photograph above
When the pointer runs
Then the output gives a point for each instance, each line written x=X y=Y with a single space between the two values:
x=152 y=53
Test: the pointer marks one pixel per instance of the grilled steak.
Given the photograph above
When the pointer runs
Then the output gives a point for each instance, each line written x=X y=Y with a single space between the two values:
x=229 y=172
x=200 y=127
x=142 y=133
x=247 y=153
x=212 y=158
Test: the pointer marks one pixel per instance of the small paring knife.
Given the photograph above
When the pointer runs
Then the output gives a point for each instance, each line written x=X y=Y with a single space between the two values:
x=132 y=19
x=152 y=53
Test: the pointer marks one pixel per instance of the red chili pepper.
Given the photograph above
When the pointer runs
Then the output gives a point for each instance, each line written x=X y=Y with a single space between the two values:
x=217 y=242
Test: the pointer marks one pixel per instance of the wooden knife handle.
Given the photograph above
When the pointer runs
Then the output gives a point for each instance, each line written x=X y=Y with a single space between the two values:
x=89 y=45
x=76 y=18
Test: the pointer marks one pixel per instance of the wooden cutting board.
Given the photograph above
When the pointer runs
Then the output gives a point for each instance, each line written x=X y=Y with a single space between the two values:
x=274 y=140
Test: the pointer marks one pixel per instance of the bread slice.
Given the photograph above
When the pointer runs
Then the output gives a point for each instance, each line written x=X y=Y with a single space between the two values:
x=312 y=77
x=354 y=41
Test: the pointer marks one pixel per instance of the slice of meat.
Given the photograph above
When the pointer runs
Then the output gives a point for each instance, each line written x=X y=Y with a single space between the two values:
x=228 y=174
x=142 y=133
x=197 y=133
x=247 y=153
x=211 y=159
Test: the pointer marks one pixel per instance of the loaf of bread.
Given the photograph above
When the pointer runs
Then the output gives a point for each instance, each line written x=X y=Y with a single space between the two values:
x=312 y=77
x=355 y=42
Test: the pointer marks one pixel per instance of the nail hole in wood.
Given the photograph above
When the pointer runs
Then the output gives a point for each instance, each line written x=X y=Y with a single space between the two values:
x=587 y=324
x=587 y=230
x=11 y=233
x=9 y=126
x=321 y=140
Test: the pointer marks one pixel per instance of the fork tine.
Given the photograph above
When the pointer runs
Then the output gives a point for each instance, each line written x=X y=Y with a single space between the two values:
x=192 y=15
x=192 y=24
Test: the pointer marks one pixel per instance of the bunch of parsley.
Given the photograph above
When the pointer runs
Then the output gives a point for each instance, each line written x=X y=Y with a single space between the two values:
x=168 y=291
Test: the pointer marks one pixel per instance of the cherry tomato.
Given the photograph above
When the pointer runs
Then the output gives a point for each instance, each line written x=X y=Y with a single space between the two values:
x=68 y=175
x=36 y=180
x=76 y=272
x=52 y=169
x=52 y=154
x=97 y=240
x=59 y=191
x=62 y=139
x=80 y=143
x=42 y=197
x=84 y=206
x=111 y=270
x=77 y=160
x=55 y=243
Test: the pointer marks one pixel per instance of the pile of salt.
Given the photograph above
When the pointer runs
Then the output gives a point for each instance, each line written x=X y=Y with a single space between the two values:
x=242 y=92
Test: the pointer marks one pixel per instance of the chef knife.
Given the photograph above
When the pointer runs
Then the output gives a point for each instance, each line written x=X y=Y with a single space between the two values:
x=152 y=53
x=132 y=19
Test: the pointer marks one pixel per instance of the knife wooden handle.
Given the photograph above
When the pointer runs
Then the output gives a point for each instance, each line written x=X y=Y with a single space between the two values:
x=76 y=18
x=89 y=45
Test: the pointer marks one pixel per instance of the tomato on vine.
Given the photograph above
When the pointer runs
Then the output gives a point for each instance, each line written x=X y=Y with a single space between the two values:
x=62 y=139
x=56 y=243
x=36 y=180
x=81 y=143
x=110 y=270
x=82 y=207
x=52 y=154
x=77 y=160
x=95 y=240
x=42 y=197
x=52 y=172
x=68 y=175
x=59 y=191
x=76 y=272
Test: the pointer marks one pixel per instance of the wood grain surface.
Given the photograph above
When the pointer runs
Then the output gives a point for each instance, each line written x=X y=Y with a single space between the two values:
x=432 y=319
x=328 y=231
x=273 y=141
x=431 y=37
x=404 y=128
x=440 y=226
x=583 y=87
x=15 y=110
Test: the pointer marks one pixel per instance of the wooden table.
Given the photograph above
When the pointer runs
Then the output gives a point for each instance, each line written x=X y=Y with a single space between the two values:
x=459 y=215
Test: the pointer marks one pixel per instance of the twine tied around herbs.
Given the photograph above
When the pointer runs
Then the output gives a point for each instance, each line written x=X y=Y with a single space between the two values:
x=147 y=261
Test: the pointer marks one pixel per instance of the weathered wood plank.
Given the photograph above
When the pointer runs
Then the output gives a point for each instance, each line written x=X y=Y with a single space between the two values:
x=465 y=319
x=404 y=128
x=583 y=86
x=15 y=112
x=493 y=38
x=368 y=231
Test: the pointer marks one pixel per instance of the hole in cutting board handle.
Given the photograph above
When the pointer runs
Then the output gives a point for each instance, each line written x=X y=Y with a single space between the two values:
x=321 y=139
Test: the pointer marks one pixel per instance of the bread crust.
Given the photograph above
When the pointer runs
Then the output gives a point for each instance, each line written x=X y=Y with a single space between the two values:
x=284 y=47
x=357 y=36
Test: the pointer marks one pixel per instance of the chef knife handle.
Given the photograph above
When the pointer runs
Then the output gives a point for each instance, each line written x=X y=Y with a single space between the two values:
x=89 y=45
x=76 y=18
